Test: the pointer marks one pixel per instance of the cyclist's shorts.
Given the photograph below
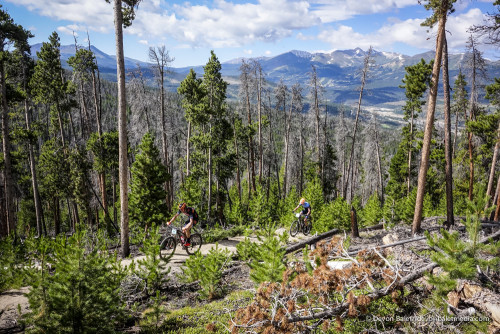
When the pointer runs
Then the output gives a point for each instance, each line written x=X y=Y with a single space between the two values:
x=189 y=221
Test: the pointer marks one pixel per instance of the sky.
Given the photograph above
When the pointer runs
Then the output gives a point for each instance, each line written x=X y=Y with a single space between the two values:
x=250 y=28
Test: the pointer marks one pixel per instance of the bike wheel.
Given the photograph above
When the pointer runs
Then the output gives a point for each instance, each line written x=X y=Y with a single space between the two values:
x=294 y=229
x=306 y=229
x=167 y=247
x=195 y=244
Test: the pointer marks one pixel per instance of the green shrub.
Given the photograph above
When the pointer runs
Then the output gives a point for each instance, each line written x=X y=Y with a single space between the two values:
x=12 y=265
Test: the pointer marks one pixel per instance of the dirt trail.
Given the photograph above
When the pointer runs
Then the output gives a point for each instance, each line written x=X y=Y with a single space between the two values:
x=9 y=300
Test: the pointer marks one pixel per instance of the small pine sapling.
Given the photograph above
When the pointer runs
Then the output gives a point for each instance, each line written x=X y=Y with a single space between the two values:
x=153 y=269
x=153 y=316
x=461 y=259
x=268 y=257
x=207 y=270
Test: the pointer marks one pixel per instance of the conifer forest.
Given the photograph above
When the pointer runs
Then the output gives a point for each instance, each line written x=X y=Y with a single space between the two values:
x=404 y=220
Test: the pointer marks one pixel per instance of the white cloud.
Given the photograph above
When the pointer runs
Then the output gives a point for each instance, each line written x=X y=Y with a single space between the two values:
x=226 y=24
x=143 y=41
x=268 y=53
x=337 y=10
x=248 y=52
x=409 y=32
x=93 y=14
x=222 y=24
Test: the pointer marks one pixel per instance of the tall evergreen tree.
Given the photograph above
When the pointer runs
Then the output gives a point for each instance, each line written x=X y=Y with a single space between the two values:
x=48 y=86
x=219 y=129
x=147 y=193
x=10 y=34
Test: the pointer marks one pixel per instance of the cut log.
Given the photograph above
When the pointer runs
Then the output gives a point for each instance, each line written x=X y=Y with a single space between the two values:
x=481 y=298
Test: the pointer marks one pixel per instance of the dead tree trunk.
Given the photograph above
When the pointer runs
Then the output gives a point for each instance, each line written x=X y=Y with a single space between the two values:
x=447 y=137
x=366 y=67
x=354 y=223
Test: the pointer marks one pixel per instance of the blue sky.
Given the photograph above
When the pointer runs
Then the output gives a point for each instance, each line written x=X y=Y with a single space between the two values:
x=251 y=28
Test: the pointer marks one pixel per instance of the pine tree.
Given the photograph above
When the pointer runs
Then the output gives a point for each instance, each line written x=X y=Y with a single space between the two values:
x=81 y=295
x=147 y=195
x=48 y=87
x=208 y=270
x=372 y=212
x=458 y=258
x=268 y=257
x=10 y=34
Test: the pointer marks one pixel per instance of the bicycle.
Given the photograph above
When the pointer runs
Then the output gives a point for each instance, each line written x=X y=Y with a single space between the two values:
x=168 y=245
x=299 y=225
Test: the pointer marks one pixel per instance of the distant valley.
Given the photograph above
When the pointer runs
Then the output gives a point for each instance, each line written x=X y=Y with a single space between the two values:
x=339 y=72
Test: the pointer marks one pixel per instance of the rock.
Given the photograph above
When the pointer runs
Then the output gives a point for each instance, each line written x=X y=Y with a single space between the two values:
x=9 y=314
x=390 y=239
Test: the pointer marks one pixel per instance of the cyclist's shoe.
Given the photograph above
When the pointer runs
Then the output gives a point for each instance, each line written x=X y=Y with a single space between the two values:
x=187 y=244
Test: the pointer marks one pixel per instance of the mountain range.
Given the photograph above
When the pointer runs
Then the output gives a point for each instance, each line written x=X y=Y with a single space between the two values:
x=339 y=73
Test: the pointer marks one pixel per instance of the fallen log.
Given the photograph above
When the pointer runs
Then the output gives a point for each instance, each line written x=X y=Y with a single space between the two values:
x=312 y=240
x=481 y=298
x=325 y=235
x=402 y=242
x=493 y=236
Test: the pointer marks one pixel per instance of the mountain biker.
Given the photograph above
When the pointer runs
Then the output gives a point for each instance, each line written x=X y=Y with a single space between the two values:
x=306 y=209
x=193 y=219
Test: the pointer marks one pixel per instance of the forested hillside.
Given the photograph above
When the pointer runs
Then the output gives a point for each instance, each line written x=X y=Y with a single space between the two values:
x=92 y=169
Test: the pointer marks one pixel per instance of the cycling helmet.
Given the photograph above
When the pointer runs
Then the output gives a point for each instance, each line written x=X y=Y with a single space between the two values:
x=182 y=206
x=302 y=200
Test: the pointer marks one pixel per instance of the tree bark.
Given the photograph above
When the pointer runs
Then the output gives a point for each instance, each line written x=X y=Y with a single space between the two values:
x=122 y=129
x=447 y=137
x=410 y=146
x=472 y=107
x=354 y=223
x=429 y=125
x=288 y=121
x=187 y=147
x=492 y=170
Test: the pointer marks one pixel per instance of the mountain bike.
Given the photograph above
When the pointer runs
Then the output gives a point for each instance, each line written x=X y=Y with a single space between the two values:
x=299 y=225
x=177 y=236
